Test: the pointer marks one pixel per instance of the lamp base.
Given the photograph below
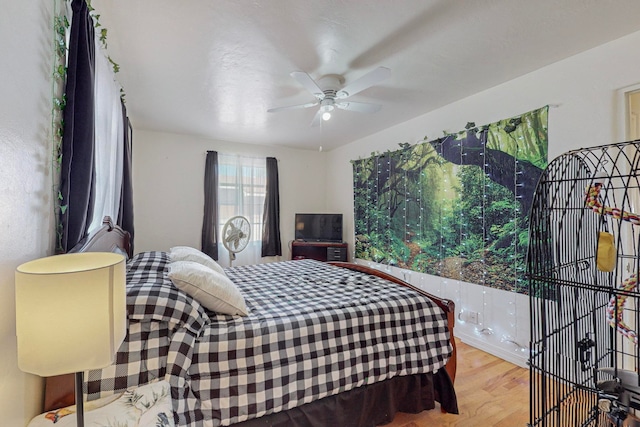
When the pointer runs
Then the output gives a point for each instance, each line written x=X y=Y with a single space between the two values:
x=79 y=400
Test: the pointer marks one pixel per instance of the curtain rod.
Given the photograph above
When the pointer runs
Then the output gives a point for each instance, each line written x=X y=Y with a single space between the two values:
x=240 y=155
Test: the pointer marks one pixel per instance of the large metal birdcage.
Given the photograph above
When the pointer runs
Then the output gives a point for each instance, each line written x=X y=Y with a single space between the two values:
x=583 y=265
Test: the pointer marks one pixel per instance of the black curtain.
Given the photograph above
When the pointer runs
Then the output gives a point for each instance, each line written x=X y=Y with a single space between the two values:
x=210 y=218
x=271 y=245
x=77 y=180
x=125 y=216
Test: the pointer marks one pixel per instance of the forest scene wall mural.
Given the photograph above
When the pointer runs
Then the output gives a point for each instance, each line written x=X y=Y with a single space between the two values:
x=456 y=206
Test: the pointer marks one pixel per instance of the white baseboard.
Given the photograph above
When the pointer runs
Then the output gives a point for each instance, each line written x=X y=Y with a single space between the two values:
x=511 y=356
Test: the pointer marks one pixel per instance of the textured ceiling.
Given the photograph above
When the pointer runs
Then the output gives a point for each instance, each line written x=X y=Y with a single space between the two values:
x=213 y=68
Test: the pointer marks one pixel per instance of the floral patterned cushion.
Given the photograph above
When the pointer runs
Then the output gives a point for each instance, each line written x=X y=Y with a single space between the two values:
x=148 y=405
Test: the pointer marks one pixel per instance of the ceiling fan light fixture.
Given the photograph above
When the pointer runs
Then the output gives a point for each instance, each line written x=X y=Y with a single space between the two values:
x=326 y=111
x=329 y=88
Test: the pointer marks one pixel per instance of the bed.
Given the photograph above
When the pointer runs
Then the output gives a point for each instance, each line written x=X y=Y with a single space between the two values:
x=323 y=344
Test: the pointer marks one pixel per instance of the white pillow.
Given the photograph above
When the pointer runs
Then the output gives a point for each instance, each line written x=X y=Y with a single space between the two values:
x=213 y=290
x=187 y=253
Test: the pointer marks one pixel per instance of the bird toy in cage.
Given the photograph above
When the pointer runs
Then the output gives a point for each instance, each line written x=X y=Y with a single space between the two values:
x=616 y=304
x=592 y=201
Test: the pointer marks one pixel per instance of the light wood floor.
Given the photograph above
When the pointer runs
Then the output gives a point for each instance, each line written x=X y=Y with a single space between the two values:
x=490 y=391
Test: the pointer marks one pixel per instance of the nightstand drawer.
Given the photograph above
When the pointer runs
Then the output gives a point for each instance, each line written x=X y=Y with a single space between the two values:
x=336 y=254
x=321 y=251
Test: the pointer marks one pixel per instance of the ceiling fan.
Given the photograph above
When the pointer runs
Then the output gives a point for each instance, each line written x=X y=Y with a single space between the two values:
x=330 y=94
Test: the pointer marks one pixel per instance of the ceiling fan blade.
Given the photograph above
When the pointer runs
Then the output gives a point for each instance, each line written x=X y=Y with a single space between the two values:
x=364 y=82
x=293 y=107
x=305 y=80
x=360 y=107
x=317 y=119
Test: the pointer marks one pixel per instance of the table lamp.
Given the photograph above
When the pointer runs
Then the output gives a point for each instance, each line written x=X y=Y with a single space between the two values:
x=70 y=315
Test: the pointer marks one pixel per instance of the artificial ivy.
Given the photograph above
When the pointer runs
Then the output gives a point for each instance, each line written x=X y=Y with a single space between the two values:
x=61 y=27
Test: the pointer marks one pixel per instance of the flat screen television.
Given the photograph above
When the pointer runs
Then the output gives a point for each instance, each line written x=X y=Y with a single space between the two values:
x=317 y=227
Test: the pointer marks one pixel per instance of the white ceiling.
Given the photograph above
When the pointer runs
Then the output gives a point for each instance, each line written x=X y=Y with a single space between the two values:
x=212 y=68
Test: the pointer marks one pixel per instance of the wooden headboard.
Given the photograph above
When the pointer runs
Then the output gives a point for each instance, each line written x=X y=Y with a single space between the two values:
x=59 y=390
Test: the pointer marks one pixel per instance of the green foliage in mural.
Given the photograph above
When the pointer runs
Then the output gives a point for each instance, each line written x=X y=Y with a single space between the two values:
x=455 y=207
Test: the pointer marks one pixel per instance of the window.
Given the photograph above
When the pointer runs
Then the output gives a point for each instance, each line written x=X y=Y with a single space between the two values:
x=109 y=142
x=242 y=185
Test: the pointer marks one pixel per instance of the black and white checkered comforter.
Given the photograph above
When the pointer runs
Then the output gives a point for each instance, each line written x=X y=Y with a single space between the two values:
x=313 y=330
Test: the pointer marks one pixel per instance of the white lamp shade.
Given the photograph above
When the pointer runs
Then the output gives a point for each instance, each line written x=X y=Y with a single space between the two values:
x=70 y=312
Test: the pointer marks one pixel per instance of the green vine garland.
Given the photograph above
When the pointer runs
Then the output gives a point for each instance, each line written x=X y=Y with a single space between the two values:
x=61 y=27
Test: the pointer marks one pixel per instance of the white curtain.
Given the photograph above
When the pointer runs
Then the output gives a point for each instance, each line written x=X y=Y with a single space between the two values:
x=242 y=183
x=109 y=137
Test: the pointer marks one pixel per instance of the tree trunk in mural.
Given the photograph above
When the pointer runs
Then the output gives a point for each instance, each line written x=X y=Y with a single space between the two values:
x=502 y=168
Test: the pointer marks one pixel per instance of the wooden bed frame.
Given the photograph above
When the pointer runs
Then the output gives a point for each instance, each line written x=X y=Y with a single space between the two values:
x=59 y=390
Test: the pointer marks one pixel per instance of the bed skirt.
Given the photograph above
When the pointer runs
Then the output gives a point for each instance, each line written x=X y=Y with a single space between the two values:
x=370 y=405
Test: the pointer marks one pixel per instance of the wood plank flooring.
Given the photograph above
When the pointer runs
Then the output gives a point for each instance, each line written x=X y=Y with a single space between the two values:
x=490 y=391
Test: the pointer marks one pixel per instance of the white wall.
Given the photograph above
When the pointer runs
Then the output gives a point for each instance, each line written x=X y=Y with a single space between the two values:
x=583 y=92
x=26 y=229
x=169 y=191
